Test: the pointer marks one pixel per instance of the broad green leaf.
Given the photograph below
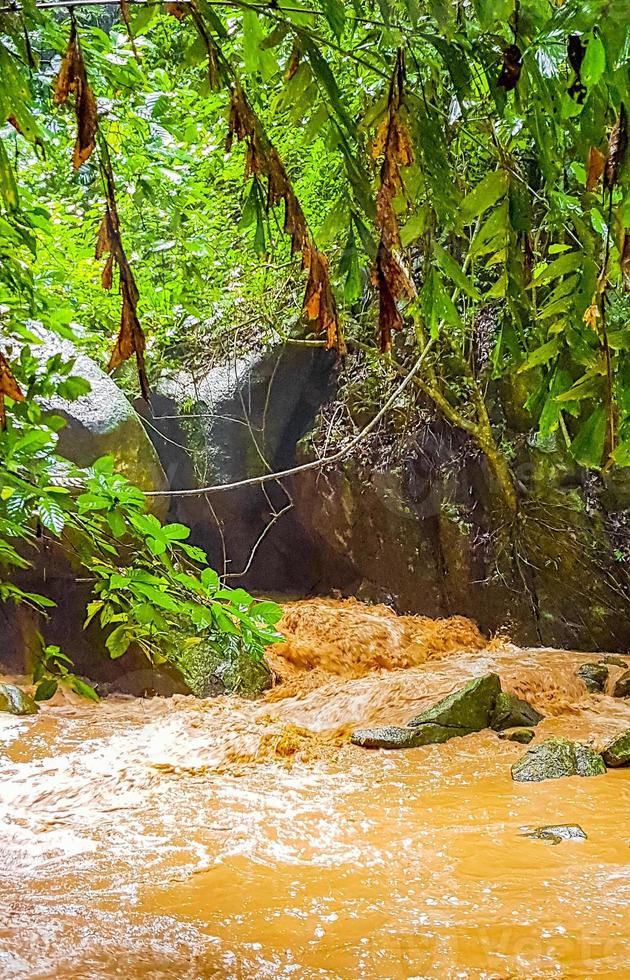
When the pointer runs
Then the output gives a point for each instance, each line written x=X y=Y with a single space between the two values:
x=8 y=186
x=568 y=262
x=588 y=446
x=335 y=15
x=594 y=63
x=453 y=271
x=51 y=515
x=46 y=689
x=488 y=191
x=543 y=354
x=118 y=642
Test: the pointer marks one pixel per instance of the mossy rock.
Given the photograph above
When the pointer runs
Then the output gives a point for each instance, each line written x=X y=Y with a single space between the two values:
x=392 y=737
x=617 y=752
x=16 y=701
x=614 y=661
x=594 y=677
x=622 y=686
x=471 y=708
x=555 y=758
x=209 y=670
x=521 y=735
x=513 y=712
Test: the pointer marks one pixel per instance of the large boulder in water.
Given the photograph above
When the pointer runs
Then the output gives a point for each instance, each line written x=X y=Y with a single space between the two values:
x=15 y=701
x=511 y=711
x=617 y=752
x=471 y=708
x=621 y=688
x=555 y=758
x=99 y=423
x=102 y=422
x=209 y=670
x=594 y=677
x=392 y=737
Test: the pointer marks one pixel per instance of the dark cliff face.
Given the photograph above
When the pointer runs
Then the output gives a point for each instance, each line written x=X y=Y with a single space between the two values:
x=422 y=534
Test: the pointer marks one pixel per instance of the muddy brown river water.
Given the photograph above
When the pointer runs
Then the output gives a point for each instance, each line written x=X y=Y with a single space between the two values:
x=226 y=838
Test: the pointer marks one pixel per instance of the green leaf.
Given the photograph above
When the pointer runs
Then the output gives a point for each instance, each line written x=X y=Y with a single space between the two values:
x=588 y=446
x=85 y=690
x=51 y=515
x=118 y=642
x=450 y=268
x=568 y=262
x=8 y=186
x=46 y=689
x=176 y=532
x=335 y=15
x=488 y=191
x=594 y=63
x=116 y=523
x=541 y=355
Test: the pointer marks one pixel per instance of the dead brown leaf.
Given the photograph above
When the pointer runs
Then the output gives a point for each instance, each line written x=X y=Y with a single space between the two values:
x=625 y=261
x=390 y=276
x=617 y=148
x=72 y=79
x=591 y=316
x=595 y=168
x=512 y=66
x=177 y=10
x=9 y=388
x=263 y=160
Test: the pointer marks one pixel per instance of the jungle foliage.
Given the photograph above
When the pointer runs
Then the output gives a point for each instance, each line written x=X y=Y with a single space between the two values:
x=445 y=172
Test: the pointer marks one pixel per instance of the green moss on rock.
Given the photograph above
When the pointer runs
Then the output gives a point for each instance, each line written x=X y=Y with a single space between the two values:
x=594 y=677
x=617 y=752
x=555 y=758
x=392 y=737
x=622 y=686
x=470 y=708
x=521 y=735
x=513 y=712
x=209 y=670
x=16 y=701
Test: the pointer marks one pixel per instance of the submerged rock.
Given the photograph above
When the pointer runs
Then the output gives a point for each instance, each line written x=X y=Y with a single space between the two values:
x=622 y=686
x=555 y=758
x=522 y=735
x=617 y=752
x=470 y=708
x=16 y=701
x=392 y=737
x=209 y=670
x=594 y=677
x=614 y=661
x=557 y=832
x=513 y=712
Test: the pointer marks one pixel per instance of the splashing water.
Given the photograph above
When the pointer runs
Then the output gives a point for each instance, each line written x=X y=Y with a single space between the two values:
x=227 y=838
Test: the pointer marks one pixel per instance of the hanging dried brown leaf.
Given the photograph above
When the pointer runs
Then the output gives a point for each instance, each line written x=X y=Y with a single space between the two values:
x=625 y=261
x=72 y=79
x=262 y=159
x=390 y=276
x=512 y=66
x=617 y=148
x=319 y=302
x=177 y=10
x=131 y=340
x=9 y=388
x=591 y=316
x=293 y=63
x=595 y=169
